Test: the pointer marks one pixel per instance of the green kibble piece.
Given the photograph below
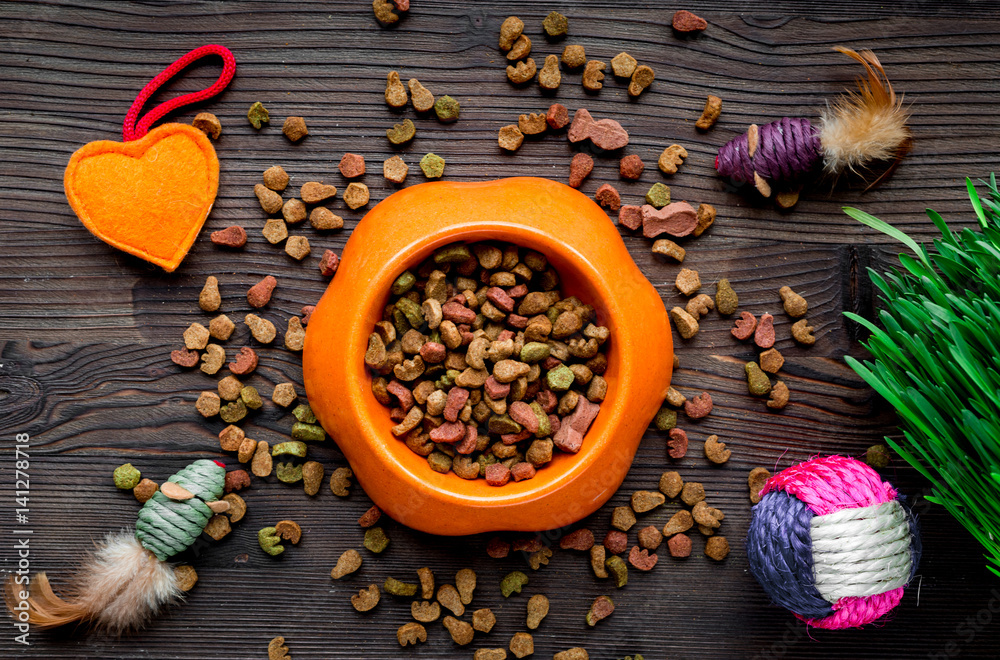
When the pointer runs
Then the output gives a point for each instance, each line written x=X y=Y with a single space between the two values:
x=401 y=133
x=399 y=322
x=757 y=381
x=288 y=473
x=535 y=351
x=555 y=24
x=878 y=457
x=258 y=114
x=503 y=424
x=552 y=313
x=293 y=448
x=439 y=462
x=484 y=460
x=665 y=420
x=251 y=398
x=233 y=411
x=403 y=283
x=560 y=379
x=446 y=109
x=308 y=432
x=270 y=542
x=304 y=413
x=618 y=569
x=447 y=380
x=726 y=300
x=127 y=476
x=512 y=583
x=376 y=540
x=432 y=165
x=544 y=423
x=396 y=588
x=453 y=254
x=658 y=195
x=411 y=310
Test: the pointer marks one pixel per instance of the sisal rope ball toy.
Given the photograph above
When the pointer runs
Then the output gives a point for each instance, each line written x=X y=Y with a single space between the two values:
x=832 y=542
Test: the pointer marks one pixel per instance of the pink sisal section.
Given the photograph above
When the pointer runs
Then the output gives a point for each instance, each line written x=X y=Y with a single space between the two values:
x=831 y=483
x=853 y=612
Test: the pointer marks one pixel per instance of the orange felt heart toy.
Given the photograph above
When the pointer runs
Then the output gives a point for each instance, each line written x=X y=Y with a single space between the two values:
x=148 y=197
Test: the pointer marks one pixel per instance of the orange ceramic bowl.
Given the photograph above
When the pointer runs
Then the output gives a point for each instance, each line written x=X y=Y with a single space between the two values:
x=585 y=248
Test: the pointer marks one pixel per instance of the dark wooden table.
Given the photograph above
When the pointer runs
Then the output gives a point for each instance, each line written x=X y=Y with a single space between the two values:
x=86 y=330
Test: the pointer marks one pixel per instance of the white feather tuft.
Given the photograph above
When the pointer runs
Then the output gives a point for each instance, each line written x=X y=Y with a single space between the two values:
x=867 y=125
x=121 y=586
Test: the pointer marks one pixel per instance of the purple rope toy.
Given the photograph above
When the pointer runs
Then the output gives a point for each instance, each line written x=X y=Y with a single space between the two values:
x=783 y=151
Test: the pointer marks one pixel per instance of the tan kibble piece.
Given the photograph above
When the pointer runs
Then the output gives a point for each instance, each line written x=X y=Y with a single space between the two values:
x=538 y=608
x=284 y=394
x=489 y=654
x=786 y=199
x=422 y=98
x=679 y=523
x=246 y=450
x=411 y=633
x=483 y=620
x=450 y=599
x=687 y=281
x=426 y=576
x=575 y=653
x=669 y=249
x=523 y=72
x=229 y=388
x=270 y=201
x=574 y=56
x=520 y=49
x=692 y=493
x=294 y=128
x=641 y=79
x=465 y=582
x=208 y=124
x=275 y=178
x=237 y=507
x=208 y=404
x=622 y=518
x=597 y=556
x=771 y=361
x=323 y=218
x=293 y=211
x=356 y=195
x=510 y=138
x=717 y=548
x=549 y=77
x=196 y=337
x=795 y=305
x=756 y=480
x=212 y=359
x=276 y=649
x=275 y=230
x=209 y=299
x=623 y=65
x=186 y=577
x=671 y=484
x=384 y=11
x=510 y=30
x=295 y=335
x=312 y=477
x=218 y=527
x=716 y=451
x=706 y=218
x=649 y=538
x=538 y=559
x=699 y=305
x=314 y=192
x=646 y=500
x=145 y=490
x=779 y=396
x=593 y=74
x=349 y=562
x=674 y=398
x=802 y=332
x=289 y=530
x=395 y=170
x=221 y=327
x=672 y=158
x=231 y=437
x=532 y=124
x=395 y=92
x=366 y=599
x=425 y=611
x=522 y=644
x=713 y=108
x=686 y=324
x=261 y=329
x=461 y=632
x=262 y=465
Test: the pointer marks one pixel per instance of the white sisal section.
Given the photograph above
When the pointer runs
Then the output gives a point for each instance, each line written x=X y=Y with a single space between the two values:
x=861 y=552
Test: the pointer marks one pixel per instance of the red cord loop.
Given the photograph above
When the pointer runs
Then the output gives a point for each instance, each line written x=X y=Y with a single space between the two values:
x=132 y=131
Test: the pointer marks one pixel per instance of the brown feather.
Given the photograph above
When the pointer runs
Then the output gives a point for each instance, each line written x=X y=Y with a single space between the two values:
x=866 y=125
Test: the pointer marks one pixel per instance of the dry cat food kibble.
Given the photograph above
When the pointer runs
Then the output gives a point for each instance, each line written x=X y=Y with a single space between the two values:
x=401 y=133
x=522 y=73
x=356 y=195
x=555 y=24
x=549 y=77
x=779 y=396
x=672 y=158
x=623 y=65
x=432 y=166
x=395 y=93
x=631 y=167
x=601 y=608
x=557 y=117
x=532 y=124
x=580 y=168
x=608 y=197
x=802 y=332
x=574 y=56
x=685 y=21
x=482 y=372
x=763 y=336
x=713 y=108
x=447 y=109
x=593 y=75
x=423 y=99
x=395 y=170
x=352 y=165
x=510 y=137
x=257 y=114
x=295 y=129
x=234 y=237
x=795 y=305
x=642 y=78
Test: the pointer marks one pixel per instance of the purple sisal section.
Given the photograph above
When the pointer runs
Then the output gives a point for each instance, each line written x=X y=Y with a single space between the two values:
x=787 y=150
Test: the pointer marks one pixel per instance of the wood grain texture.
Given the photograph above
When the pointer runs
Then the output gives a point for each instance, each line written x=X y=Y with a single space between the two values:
x=86 y=330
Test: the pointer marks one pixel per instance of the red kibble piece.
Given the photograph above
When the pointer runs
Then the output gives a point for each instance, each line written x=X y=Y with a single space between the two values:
x=234 y=237
x=433 y=352
x=685 y=21
x=183 y=357
x=555 y=422
x=677 y=445
x=497 y=474
x=448 y=432
x=608 y=135
x=631 y=167
x=370 y=517
x=642 y=558
x=608 y=197
x=455 y=402
x=522 y=413
x=551 y=362
x=630 y=216
x=468 y=444
x=519 y=291
x=403 y=395
x=505 y=335
x=526 y=544
x=616 y=541
x=764 y=335
x=745 y=326
x=245 y=362
x=579 y=130
x=236 y=480
x=517 y=321
x=579 y=169
x=679 y=545
x=548 y=400
x=514 y=438
x=260 y=293
x=581 y=539
x=699 y=406
x=495 y=389
x=329 y=263
x=557 y=117
x=352 y=165
x=522 y=471
x=497 y=548
x=457 y=313
x=676 y=219
x=500 y=299
x=307 y=312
